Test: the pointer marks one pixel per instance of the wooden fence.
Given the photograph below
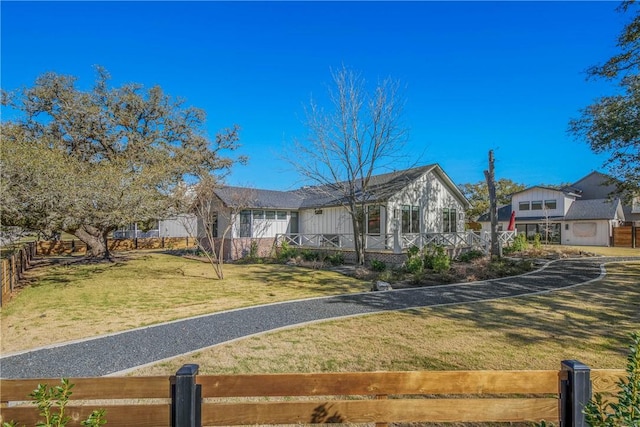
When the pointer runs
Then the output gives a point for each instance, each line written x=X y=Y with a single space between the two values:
x=626 y=237
x=189 y=400
x=66 y=247
x=12 y=269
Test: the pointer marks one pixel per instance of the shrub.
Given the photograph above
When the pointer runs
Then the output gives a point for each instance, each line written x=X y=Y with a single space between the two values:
x=437 y=259
x=336 y=258
x=519 y=244
x=470 y=255
x=626 y=412
x=286 y=252
x=413 y=251
x=378 y=265
x=309 y=255
x=537 y=244
x=414 y=265
x=52 y=402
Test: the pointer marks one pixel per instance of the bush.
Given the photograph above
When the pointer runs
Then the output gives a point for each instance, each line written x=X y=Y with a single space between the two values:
x=414 y=265
x=52 y=402
x=286 y=252
x=626 y=412
x=470 y=255
x=308 y=255
x=537 y=244
x=437 y=259
x=336 y=259
x=378 y=265
x=519 y=244
x=413 y=251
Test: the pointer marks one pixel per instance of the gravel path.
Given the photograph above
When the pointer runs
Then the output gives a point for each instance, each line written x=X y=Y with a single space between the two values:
x=127 y=350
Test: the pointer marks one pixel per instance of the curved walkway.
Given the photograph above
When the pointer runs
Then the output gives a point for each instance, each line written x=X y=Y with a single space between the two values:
x=126 y=350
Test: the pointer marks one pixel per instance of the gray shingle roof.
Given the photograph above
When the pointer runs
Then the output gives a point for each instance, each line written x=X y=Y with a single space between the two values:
x=252 y=198
x=592 y=209
x=504 y=214
x=381 y=188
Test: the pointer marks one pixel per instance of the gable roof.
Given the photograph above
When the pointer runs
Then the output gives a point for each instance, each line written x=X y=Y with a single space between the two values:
x=381 y=188
x=252 y=198
x=594 y=209
x=596 y=185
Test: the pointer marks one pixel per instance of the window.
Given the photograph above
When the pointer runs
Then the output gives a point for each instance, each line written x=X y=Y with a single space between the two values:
x=523 y=206
x=270 y=214
x=550 y=204
x=282 y=215
x=406 y=219
x=415 y=219
x=373 y=220
x=293 y=224
x=536 y=205
x=258 y=214
x=245 y=224
x=449 y=220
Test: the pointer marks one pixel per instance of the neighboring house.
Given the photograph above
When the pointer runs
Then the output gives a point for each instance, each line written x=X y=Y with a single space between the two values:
x=410 y=203
x=580 y=214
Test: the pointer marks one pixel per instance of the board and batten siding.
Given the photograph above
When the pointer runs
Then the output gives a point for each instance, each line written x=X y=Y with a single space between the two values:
x=587 y=233
x=432 y=195
x=179 y=226
x=541 y=195
x=327 y=220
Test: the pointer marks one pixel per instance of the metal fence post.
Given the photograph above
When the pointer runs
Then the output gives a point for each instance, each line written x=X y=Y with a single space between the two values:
x=575 y=393
x=186 y=398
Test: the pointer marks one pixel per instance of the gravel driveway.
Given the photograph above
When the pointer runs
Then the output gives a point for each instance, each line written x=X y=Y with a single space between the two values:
x=126 y=350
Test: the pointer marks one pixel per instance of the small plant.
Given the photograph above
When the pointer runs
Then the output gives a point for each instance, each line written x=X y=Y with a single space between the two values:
x=336 y=258
x=470 y=255
x=519 y=244
x=626 y=412
x=52 y=402
x=413 y=251
x=253 y=250
x=308 y=255
x=414 y=265
x=537 y=243
x=377 y=265
x=286 y=252
x=437 y=259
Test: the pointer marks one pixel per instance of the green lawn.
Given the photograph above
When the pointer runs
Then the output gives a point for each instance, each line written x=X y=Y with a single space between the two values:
x=66 y=302
x=591 y=323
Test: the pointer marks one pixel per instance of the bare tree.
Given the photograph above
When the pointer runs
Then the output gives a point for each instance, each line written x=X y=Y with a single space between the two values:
x=214 y=219
x=359 y=133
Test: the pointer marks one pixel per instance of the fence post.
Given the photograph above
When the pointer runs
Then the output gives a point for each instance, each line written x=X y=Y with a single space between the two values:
x=575 y=393
x=186 y=398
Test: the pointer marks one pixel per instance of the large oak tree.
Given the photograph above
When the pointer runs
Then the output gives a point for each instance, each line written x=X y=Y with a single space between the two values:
x=611 y=124
x=89 y=161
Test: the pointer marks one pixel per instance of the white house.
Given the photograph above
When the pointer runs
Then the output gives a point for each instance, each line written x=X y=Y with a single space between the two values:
x=579 y=214
x=410 y=203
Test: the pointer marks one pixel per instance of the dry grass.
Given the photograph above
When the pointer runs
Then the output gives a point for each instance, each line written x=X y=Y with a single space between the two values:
x=66 y=302
x=590 y=323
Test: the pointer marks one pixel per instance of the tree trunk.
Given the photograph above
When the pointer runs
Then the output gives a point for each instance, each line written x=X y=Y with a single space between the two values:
x=96 y=241
x=358 y=238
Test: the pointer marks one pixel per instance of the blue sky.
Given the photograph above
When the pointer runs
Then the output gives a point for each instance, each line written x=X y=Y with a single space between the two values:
x=477 y=75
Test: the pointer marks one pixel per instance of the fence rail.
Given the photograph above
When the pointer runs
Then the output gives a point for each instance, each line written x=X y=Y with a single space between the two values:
x=12 y=269
x=187 y=399
x=456 y=240
x=65 y=247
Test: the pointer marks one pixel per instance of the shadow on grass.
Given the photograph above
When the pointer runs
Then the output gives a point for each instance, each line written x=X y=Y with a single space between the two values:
x=600 y=309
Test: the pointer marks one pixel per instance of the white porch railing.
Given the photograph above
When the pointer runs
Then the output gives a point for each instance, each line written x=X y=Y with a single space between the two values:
x=463 y=239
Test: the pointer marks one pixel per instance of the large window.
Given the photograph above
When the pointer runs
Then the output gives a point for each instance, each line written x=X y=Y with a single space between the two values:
x=523 y=206
x=245 y=224
x=536 y=205
x=449 y=220
x=550 y=204
x=373 y=220
x=410 y=219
